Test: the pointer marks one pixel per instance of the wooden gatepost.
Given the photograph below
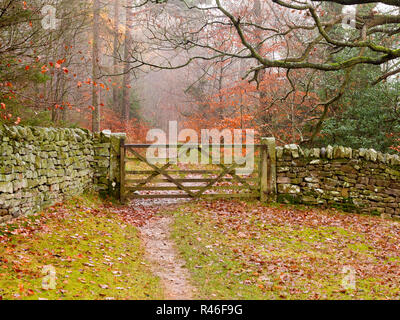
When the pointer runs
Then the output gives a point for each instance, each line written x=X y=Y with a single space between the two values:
x=122 y=171
x=268 y=186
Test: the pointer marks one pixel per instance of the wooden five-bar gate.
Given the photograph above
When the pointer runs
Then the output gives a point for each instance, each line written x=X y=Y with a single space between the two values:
x=149 y=178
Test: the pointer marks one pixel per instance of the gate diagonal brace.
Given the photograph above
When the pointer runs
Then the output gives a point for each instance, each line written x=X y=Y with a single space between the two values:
x=161 y=171
x=216 y=180
x=231 y=172
x=152 y=176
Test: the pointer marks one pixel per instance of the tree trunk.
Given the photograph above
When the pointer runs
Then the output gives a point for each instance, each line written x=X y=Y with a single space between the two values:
x=127 y=78
x=116 y=104
x=96 y=68
x=262 y=93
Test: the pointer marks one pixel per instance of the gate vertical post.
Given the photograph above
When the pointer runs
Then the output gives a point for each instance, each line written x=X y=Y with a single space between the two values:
x=268 y=189
x=122 y=168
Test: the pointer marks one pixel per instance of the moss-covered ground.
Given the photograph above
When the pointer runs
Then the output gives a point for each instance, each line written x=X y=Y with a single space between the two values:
x=87 y=250
x=240 y=250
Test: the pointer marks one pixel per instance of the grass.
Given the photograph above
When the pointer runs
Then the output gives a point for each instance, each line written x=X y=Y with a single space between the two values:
x=239 y=250
x=95 y=255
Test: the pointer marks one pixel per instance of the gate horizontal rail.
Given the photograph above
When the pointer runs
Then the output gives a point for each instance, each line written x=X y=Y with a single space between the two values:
x=142 y=172
x=222 y=145
x=186 y=196
x=171 y=178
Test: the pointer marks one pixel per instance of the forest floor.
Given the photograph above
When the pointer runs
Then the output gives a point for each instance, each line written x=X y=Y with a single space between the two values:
x=93 y=248
x=198 y=250
x=246 y=250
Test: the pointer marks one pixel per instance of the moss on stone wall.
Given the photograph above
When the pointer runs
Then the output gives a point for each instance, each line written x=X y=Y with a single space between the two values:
x=40 y=166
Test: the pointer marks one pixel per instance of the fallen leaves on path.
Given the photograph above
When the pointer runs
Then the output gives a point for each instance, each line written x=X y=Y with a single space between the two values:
x=139 y=211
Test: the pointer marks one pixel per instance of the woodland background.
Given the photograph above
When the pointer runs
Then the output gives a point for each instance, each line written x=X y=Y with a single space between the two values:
x=290 y=69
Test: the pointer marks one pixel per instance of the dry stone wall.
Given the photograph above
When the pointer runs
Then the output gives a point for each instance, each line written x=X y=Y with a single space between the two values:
x=357 y=180
x=41 y=166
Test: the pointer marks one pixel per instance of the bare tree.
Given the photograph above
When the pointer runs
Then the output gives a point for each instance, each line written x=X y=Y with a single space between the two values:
x=96 y=68
x=116 y=100
x=313 y=39
x=127 y=54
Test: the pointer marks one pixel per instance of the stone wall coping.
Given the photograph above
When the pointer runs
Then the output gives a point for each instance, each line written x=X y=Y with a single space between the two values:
x=337 y=152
